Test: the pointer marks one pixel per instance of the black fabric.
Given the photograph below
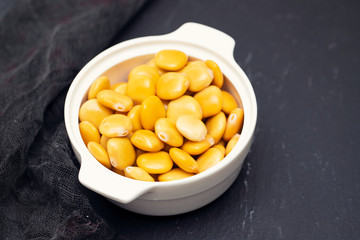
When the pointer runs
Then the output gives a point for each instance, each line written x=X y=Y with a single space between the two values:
x=43 y=45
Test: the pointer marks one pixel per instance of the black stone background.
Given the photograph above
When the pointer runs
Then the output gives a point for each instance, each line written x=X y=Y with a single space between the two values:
x=301 y=179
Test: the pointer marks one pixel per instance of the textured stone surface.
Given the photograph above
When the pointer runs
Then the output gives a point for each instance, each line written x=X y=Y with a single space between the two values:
x=301 y=179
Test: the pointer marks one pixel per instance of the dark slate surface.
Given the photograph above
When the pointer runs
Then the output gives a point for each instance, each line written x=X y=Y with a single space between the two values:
x=301 y=179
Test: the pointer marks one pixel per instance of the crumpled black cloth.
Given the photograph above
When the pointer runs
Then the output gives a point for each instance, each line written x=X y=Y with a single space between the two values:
x=43 y=45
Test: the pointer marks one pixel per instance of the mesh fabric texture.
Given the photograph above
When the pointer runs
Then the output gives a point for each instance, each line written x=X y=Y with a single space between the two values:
x=43 y=45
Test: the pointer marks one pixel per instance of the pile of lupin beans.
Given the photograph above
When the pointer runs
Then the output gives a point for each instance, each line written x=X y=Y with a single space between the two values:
x=169 y=121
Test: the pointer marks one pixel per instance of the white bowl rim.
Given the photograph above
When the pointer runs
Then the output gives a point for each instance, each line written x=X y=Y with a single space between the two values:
x=248 y=126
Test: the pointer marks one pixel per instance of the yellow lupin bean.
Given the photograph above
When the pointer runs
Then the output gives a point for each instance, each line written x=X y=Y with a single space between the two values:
x=118 y=171
x=184 y=160
x=229 y=103
x=152 y=63
x=210 y=100
x=130 y=134
x=185 y=105
x=94 y=112
x=209 y=159
x=138 y=152
x=146 y=140
x=137 y=128
x=134 y=115
x=120 y=87
x=121 y=152
x=99 y=153
x=139 y=88
x=191 y=127
x=170 y=60
x=199 y=74
x=122 y=113
x=231 y=144
x=218 y=76
x=145 y=70
x=166 y=103
x=165 y=129
x=174 y=174
x=234 y=123
x=89 y=132
x=172 y=85
x=221 y=148
x=222 y=142
x=98 y=85
x=216 y=126
x=196 y=148
x=152 y=108
x=103 y=141
x=138 y=174
x=116 y=125
x=155 y=163
x=115 y=100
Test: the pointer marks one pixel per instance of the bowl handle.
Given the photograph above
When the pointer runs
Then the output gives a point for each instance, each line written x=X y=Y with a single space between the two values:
x=205 y=36
x=98 y=178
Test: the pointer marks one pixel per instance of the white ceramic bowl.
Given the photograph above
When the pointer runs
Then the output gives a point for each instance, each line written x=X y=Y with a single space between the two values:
x=163 y=198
